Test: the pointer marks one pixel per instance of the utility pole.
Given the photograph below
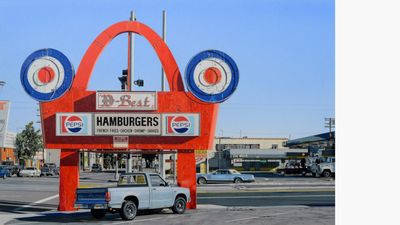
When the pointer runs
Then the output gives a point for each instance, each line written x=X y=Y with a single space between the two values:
x=330 y=123
x=130 y=78
x=164 y=34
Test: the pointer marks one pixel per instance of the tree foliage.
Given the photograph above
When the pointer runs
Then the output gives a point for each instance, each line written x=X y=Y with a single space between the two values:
x=28 y=142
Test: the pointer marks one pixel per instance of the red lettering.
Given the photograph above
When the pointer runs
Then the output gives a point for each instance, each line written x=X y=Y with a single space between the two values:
x=125 y=100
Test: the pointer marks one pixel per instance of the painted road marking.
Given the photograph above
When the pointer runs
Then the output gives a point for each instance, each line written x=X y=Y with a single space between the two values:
x=255 y=217
x=272 y=196
x=37 y=202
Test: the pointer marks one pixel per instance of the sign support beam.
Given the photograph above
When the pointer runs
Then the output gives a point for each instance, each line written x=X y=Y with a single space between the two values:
x=69 y=179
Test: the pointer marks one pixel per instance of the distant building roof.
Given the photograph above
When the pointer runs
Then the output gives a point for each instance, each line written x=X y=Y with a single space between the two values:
x=251 y=138
x=310 y=139
x=263 y=153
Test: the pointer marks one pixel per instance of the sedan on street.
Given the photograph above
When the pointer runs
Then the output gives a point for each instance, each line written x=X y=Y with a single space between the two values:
x=30 y=172
x=224 y=176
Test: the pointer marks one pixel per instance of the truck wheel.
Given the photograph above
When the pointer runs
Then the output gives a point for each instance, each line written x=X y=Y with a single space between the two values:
x=201 y=180
x=238 y=180
x=179 y=206
x=4 y=176
x=326 y=173
x=98 y=213
x=128 y=210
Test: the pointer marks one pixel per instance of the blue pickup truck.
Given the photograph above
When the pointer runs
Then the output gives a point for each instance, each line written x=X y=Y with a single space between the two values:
x=135 y=191
x=4 y=172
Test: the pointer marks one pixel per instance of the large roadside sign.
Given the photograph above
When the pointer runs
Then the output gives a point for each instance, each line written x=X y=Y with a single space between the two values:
x=75 y=118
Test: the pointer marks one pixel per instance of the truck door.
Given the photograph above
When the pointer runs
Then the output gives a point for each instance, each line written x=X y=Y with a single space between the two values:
x=160 y=193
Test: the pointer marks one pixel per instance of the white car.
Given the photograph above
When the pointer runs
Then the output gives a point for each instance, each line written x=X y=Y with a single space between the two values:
x=30 y=172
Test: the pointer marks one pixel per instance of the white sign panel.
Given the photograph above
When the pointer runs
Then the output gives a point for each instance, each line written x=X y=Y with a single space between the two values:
x=127 y=124
x=126 y=100
x=73 y=124
x=181 y=124
x=120 y=141
x=4 y=113
x=9 y=141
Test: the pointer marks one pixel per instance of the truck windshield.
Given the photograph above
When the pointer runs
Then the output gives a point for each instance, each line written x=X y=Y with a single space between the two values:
x=132 y=180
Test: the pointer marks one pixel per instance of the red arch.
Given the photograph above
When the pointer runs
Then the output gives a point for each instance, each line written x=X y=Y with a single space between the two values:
x=168 y=62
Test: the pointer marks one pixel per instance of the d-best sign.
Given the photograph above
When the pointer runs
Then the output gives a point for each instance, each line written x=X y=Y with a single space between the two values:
x=126 y=100
x=127 y=124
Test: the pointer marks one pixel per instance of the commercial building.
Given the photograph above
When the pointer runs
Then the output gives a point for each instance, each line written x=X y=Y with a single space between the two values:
x=251 y=154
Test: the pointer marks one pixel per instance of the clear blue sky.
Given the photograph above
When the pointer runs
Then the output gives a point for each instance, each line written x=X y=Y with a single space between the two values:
x=285 y=51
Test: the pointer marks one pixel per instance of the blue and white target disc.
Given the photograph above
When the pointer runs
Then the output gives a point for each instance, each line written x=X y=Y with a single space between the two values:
x=46 y=74
x=212 y=76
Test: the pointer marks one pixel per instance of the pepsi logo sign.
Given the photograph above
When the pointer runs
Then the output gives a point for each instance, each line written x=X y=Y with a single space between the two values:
x=180 y=125
x=73 y=124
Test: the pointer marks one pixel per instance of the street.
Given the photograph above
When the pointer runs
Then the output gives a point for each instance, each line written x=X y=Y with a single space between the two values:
x=34 y=200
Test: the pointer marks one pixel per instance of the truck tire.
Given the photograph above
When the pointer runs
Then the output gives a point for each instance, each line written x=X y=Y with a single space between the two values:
x=128 y=210
x=179 y=206
x=326 y=173
x=4 y=176
x=202 y=180
x=98 y=213
x=238 y=180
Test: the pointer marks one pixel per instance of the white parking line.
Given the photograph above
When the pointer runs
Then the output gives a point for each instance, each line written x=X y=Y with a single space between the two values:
x=254 y=217
x=271 y=196
x=37 y=202
x=142 y=220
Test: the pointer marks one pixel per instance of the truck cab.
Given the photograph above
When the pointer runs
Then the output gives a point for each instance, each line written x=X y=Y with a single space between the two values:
x=322 y=166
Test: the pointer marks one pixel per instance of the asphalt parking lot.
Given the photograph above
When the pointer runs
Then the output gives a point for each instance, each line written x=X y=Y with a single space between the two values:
x=299 y=215
x=278 y=200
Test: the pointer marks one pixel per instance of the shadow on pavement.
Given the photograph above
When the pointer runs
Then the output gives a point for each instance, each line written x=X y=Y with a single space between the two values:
x=19 y=207
x=78 y=217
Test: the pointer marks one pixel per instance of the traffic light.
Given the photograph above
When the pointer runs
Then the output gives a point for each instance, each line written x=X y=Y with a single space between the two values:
x=139 y=83
x=123 y=79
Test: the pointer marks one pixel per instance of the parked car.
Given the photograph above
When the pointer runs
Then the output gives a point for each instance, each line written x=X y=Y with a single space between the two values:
x=224 y=176
x=29 y=172
x=14 y=170
x=52 y=167
x=135 y=191
x=96 y=168
x=47 y=171
x=4 y=172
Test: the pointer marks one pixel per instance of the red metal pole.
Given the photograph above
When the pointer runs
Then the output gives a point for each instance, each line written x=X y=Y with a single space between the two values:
x=69 y=178
x=186 y=171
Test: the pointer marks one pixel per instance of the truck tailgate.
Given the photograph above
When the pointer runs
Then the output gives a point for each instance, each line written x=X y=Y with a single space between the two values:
x=91 y=196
